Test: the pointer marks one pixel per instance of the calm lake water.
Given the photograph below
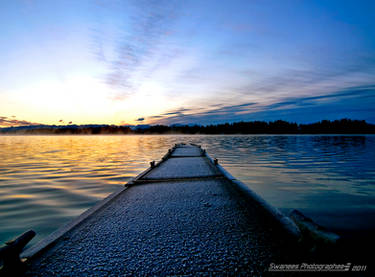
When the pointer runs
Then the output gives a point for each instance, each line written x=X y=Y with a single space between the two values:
x=45 y=181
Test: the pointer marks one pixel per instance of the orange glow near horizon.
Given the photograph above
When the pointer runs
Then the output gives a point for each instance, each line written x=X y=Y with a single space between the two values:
x=81 y=100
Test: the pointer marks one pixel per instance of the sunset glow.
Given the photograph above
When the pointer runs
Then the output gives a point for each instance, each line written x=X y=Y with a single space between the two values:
x=146 y=62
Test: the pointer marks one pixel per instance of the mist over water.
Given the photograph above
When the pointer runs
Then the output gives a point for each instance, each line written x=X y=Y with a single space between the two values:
x=45 y=181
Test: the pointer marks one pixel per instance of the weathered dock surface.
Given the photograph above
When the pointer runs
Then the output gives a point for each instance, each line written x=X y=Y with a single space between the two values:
x=180 y=217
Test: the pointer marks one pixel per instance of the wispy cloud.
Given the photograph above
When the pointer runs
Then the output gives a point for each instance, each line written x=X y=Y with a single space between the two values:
x=180 y=61
x=12 y=122
x=142 y=47
x=213 y=113
x=338 y=104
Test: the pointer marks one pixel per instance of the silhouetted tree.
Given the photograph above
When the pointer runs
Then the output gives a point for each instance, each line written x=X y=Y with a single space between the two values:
x=343 y=126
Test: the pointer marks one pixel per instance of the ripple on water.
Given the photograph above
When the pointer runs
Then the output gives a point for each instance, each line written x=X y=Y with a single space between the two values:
x=46 y=181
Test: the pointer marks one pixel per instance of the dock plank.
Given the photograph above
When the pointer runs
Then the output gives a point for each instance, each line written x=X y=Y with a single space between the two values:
x=187 y=167
x=187 y=151
x=186 y=227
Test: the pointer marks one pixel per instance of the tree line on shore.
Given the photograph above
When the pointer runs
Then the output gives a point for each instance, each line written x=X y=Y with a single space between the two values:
x=343 y=126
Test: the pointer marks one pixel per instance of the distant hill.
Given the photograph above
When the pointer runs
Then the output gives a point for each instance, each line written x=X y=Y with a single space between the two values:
x=343 y=126
x=92 y=129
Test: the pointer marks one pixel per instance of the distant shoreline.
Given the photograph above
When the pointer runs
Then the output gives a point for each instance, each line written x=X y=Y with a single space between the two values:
x=279 y=127
x=179 y=134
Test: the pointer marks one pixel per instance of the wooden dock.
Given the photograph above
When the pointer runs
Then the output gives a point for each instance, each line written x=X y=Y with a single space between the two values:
x=183 y=216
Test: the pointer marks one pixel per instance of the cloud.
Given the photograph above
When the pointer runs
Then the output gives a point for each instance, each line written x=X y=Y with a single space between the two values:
x=140 y=119
x=156 y=116
x=337 y=72
x=12 y=122
x=230 y=59
x=351 y=102
x=335 y=97
x=215 y=113
x=143 y=48
x=177 y=112
x=356 y=103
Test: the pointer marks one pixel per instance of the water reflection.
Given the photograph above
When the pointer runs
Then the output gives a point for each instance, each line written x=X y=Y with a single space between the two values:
x=47 y=180
x=329 y=178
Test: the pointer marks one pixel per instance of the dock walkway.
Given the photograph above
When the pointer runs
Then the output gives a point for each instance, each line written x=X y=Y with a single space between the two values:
x=180 y=217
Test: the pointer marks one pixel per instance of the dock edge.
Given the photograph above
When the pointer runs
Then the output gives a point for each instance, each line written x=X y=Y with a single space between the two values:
x=51 y=239
x=285 y=222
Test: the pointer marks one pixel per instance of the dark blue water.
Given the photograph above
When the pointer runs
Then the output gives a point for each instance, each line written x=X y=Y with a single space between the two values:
x=46 y=181
x=329 y=178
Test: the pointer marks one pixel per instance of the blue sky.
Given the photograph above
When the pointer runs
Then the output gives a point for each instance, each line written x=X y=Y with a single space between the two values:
x=129 y=62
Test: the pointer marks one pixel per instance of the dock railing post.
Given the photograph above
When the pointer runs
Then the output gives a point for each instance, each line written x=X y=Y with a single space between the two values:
x=10 y=254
